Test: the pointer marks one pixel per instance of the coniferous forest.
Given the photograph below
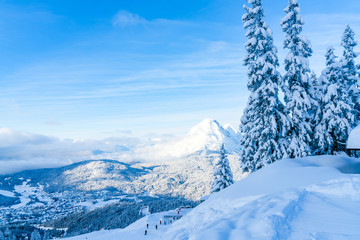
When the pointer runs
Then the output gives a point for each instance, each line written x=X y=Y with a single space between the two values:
x=316 y=114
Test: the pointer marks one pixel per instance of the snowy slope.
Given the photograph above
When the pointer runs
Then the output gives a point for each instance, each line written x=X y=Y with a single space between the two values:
x=189 y=176
x=136 y=230
x=311 y=198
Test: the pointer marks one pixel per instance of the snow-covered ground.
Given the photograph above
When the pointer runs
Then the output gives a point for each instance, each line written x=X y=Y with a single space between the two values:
x=99 y=203
x=26 y=191
x=310 y=198
x=137 y=229
x=354 y=139
x=7 y=193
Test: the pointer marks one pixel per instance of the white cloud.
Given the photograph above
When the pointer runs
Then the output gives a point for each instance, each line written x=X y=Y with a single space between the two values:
x=218 y=63
x=125 y=18
x=9 y=138
x=22 y=150
x=53 y=123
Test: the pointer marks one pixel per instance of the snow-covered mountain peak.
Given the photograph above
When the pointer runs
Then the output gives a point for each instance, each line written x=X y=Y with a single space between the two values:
x=209 y=127
x=205 y=137
x=233 y=132
x=95 y=169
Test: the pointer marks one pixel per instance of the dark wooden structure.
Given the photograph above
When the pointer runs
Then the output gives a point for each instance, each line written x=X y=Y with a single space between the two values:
x=353 y=152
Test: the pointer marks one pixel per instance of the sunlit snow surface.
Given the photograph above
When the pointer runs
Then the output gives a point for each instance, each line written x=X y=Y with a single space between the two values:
x=311 y=198
x=354 y=139
x=7 y=193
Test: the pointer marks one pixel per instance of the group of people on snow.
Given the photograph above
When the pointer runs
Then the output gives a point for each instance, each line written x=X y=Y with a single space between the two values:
x=147 y=227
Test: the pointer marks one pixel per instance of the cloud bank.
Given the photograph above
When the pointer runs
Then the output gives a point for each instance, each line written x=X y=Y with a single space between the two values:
x=22 y=150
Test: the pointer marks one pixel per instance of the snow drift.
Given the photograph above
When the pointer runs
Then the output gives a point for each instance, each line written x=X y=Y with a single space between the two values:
x=354 y=139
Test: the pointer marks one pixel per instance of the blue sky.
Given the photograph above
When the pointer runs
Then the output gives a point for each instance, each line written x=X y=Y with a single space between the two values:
x=97 y=69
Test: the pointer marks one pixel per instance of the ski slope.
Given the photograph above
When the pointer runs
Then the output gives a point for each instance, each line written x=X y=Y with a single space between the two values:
x=310 y=198
x=137 y=229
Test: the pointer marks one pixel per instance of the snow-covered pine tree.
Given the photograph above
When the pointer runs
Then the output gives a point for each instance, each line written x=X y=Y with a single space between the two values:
x=2 y=237
x=46 y=236
x=316 y=93
x=349 y=78
x=315 y=86
x=264 y=123
x=297 y=83
x=35 y=235
x=223 y=175
x=334 y=126
x=7 y=233
x=315 y=89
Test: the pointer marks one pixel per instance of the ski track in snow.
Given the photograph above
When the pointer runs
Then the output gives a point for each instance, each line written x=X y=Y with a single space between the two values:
x=302 y=214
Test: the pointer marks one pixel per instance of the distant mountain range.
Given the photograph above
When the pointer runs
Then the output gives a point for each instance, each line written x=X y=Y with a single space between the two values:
x=181 y=167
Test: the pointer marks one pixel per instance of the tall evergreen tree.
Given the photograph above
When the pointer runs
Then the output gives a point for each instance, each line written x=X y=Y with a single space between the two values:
x=7 y=233
x=46 y=236
x=349 y=76
x=35 y=235
x=2 y=237
x=297 y=83
x=316 y=93
x=264 y=123
x=315 y=86
x=223 y=174
x=334 y=126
